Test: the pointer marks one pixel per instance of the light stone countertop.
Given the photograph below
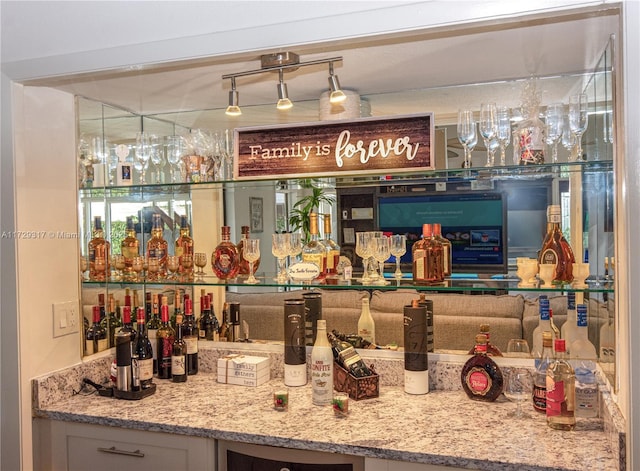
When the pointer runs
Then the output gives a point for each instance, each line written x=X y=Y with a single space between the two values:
x=442 y=427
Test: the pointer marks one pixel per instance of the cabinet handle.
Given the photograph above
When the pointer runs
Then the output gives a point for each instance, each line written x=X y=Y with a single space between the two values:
x=115 y=451
x=285 y=469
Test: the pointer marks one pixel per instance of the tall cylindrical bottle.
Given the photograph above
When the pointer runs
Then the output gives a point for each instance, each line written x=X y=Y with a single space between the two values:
x=322 y=367
x=540 y=374
x=165 y=338
x=143 y=356
x=313 y=312
x=416 y=360
x=190 y=335
x=560 y=391
x=179 y=355
x=428 y=304
x=366 y=324
x=295 y=352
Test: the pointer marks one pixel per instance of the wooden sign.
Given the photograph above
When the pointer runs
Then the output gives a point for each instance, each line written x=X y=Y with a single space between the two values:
x=386 y=145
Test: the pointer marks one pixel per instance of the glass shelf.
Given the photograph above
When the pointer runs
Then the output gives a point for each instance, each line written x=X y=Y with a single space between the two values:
x=488 y=284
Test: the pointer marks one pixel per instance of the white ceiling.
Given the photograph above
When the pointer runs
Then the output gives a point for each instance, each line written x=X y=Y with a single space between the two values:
x=407 y=73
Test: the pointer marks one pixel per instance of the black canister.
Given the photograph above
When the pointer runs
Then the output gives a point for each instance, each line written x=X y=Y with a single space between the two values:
x=416 y=360
x=295 y=352
x=313 y=312
x=429 y=305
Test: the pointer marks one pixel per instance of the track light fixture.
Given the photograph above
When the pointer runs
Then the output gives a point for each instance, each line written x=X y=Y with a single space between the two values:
x=234 y=107
x=337 y=95
x=283 y=95
x=279 y=62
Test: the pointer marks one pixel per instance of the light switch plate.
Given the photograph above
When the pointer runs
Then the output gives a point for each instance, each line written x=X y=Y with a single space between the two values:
x=65 y=318
x=441 y=186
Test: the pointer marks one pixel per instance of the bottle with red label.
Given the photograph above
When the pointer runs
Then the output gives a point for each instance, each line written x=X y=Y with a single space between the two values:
x=561 y=391
x=225 y=259
x=481 y=377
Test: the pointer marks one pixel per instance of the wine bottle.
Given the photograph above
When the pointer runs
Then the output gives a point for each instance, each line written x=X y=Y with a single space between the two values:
x=540 y=374
x=416 y=361
x=234 y=321
x=143 y=356
x=157 y=248
x=111 y=322
x=99 y=250
x=321 y=367
x=482 y=378
x=313 y=251
x=177 y=308
x=166 y=336
x=127 y=325
x=184 y=246
x=152 y=330
x=332 y=248
x=225 y=260
x=179 y=355
x=208 y=323
x=96 y=335
x=555 y=248
x=347 y=356
x=225 y=327
x=560 y=391
x=295 y=353
x=190 y=337
x=366 y=324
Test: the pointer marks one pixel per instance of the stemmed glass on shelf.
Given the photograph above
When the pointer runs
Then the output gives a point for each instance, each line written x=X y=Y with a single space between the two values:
x=568 y=139
x=466 y=133
x=144 y=148
x=504 y=131
x=280 y=248
x=200 y=261
x=176 y=148
x=295 y=241
x=157 y=159
x=381 y=253
x=553 y=117
x=578 y=119
x=364 y=249
x=488 y=127
x=398 y=249
x=173 y=265
x=251 y=253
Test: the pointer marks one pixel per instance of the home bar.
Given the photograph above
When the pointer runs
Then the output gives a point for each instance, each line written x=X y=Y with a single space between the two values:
x=218 y=255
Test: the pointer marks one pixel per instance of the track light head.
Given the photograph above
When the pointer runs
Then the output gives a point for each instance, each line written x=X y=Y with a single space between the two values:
x=337 y=95
x=234 y=103
x=284 y=103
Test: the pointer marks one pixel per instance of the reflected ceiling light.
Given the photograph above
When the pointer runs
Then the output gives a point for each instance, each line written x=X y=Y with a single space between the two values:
x=234 y=108
x=283 y=95
x=279 y=62
x=337 y=95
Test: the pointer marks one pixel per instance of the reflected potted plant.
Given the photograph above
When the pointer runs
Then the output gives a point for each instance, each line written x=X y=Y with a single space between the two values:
x=299 y=214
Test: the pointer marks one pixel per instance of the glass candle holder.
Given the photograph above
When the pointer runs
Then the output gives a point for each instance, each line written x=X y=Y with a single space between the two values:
x=281 y=399
x=340 y=404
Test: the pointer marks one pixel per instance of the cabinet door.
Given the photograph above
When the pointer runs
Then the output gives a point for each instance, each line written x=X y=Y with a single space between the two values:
x=101 y=448
x=375 y=464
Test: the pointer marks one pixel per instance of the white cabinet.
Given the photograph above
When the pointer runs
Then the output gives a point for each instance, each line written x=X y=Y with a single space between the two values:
x=375 y=464
x=73 y=446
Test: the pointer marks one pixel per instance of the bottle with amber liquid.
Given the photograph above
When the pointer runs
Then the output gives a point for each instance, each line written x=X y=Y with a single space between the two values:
x=492 y=350
x=100 y=251
x=130 y=247
x=244 y=263
x=157 y=248
x=427 y=253
x=481 y=377
x=446 y=249
x=225 y=260
x=184 y=246
x=555 y=248
x=165 y=338
x=332 y=248
x=314 y=251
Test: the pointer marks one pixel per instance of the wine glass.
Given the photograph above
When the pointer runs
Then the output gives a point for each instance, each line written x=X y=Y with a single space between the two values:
x=153 y=268
x=175 y=150
x=173 y=265
x=492 y=148
x=578 y=119
x=518 y=348
x=228 y=153
x=100 y=268
x=504 y=132
x=364 y=249
x=295 y=241
x=398 y=249
x=187 y=264
x=119 y=264
x=554 y=122
x=251 y=253
x=143 y=153
x=568 y=139
x=157 y=158
x=200 y=260
x=137 y=265
x=381 y=253
x=466 y=133
x=488 y=127
x=518 y=388
x=280 y=248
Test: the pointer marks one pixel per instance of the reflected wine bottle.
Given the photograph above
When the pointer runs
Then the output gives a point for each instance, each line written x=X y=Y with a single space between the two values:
x=143 y=356
x=179 y=355
x=347 y=356
x=166 y=336
x=96 y=335
x=190 y=336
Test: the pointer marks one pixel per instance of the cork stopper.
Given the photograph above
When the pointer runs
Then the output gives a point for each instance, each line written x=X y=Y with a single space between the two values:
x=484 y=328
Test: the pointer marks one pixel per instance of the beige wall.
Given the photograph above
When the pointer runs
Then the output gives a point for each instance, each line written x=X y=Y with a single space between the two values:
x=46 y=202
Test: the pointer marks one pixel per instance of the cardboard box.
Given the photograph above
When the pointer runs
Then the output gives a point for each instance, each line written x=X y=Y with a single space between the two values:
x=244 y=370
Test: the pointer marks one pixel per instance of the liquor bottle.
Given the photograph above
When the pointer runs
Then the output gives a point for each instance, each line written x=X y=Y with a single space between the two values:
x=99 y=248
x=529 y=135
x=152 y=329
x=544 y=325
x=583 y=359
x=555 y=248
x=96 y=335
x=184 y=246
x=492 y=350
x=582 y=348
x=569 y=328
x=208 y=323
x=179 y=355
x=295 y=351
x=225 y=260
x=554 y=327
x=177 y=308
x=447 y=254
x=190 y=336
x=130 y=247
x=481 y=377
x=321 y=367
x=366 y=324
x=157 y=248
x=427 y=253
x=244 y=263
x=347 y=356
x=540 y=374
x=225 y=327
x=332 y=248
x=143 y=356
x=166 y=336
x=313 y=251
x=416 y=360
x=560 y=391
